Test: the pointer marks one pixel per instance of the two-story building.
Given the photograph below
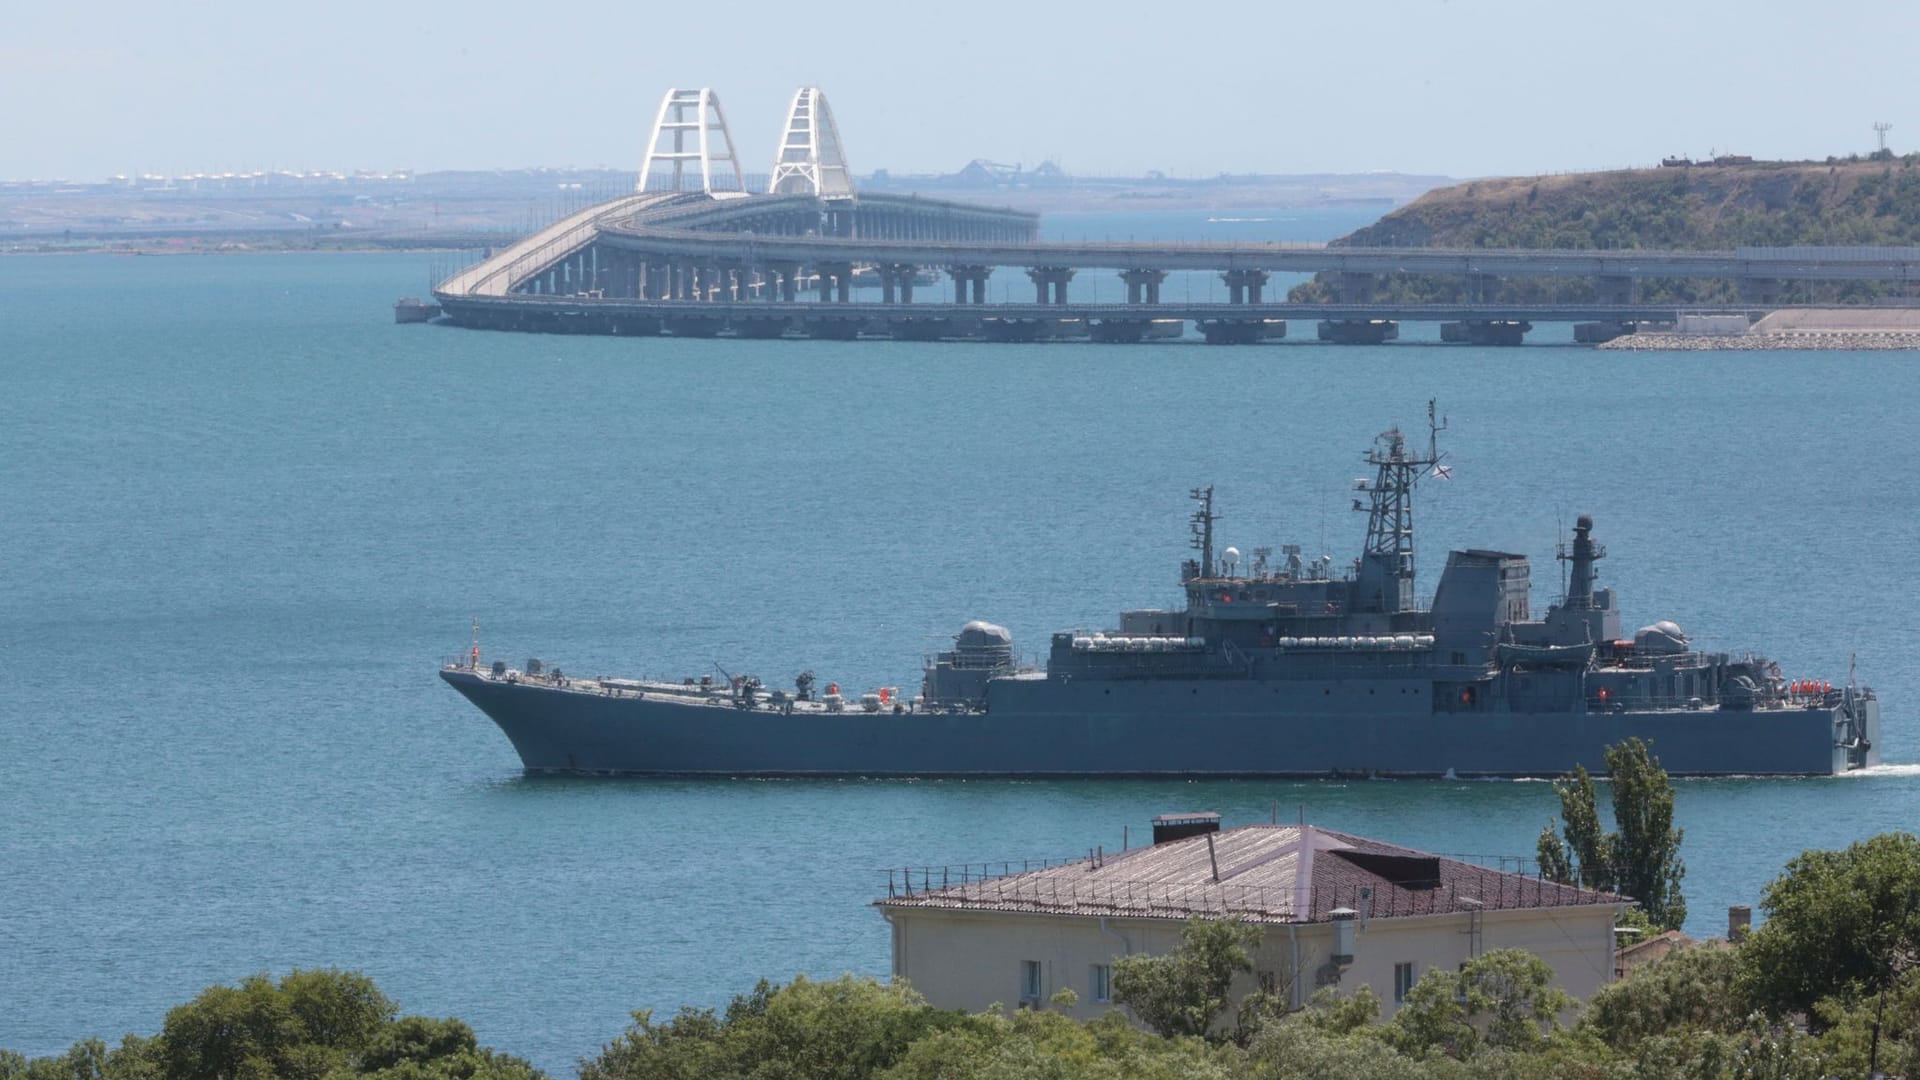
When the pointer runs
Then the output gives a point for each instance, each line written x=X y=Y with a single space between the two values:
x=1337 y=910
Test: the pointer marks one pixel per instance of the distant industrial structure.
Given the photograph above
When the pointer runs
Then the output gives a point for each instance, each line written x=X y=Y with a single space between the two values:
x=693 y=252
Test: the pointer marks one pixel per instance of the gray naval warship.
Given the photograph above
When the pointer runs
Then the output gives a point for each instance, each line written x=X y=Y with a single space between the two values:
x=1277 y=669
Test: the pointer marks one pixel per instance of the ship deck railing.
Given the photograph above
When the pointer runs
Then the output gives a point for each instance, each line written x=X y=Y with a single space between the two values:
x=1463 y=890
x=1831 y=699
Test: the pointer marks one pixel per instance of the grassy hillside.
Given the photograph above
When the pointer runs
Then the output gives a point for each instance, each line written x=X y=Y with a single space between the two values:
x=1771 y=204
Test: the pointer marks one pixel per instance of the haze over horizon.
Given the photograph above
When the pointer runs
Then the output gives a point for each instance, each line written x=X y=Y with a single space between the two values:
x=1450 y=87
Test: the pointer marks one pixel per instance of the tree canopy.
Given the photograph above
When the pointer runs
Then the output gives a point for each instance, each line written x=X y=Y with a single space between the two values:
x=1839 y=924
x=1641 y=858
x=319 y=1024
x=1186 y=991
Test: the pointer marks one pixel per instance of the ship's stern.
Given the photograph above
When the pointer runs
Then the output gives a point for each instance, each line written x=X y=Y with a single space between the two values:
x=1865 y=709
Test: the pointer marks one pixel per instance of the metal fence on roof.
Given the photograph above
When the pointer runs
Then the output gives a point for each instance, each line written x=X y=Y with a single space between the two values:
x=1475 y=889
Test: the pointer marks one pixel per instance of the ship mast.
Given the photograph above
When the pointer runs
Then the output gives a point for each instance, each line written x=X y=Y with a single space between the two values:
x=1202 y=525
x=1385 y=579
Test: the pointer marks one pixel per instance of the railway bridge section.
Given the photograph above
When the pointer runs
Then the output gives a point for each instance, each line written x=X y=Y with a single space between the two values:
x=692 y=252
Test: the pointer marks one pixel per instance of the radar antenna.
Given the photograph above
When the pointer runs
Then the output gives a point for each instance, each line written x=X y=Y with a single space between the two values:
x=1202 y=525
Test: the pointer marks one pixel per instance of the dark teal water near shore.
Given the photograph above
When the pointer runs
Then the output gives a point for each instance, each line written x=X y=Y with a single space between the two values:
x=242 y=516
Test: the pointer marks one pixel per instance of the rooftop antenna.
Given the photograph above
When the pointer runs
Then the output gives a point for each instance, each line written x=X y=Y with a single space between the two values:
x=1880 y=128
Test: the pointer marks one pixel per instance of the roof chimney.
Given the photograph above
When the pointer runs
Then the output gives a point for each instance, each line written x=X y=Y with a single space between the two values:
x=1739 y=922
x=1180 y=826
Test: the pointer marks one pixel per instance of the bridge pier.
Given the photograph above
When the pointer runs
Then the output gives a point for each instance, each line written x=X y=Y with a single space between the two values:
x=910 y=329
x=694 y=326
x=1143 y=285
x=1596 y=333
x=1119 y=331
x=782 y=281
x=832 y=327
x=969 y=279
x=896 y=277
x=1241 y=331
x=762 y=327
x=1014 y=330
x=1613 y=289
x=1485 y=331
x=1358 y=331
x=1482 y=288
x=835 y=280
x=1354 y=288
x=1052 y=278
x=1243 y=286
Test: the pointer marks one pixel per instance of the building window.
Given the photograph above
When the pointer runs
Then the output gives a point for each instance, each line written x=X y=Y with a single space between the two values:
x=1100 y=983
x=1030 y=981
x=1402 y=982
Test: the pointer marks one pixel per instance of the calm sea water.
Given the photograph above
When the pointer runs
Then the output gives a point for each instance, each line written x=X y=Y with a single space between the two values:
x=244 y=516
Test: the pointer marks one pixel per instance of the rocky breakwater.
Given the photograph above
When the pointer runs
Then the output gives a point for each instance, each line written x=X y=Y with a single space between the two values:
x=1848 y=341
x=1839 y=329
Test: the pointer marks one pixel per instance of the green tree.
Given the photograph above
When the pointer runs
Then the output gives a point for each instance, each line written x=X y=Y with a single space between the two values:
x=1644 y=849
x=1504 y=1000
x=1689 y=989
x=845 y=1028
x=1880 y=1034
x=423 y=1048
x=1641 y=858
x=1583 y=858
x=1551 y=853
x=1433 y=1019
x=1842 y=924
x=311 y=1025
x=1045 y=1045
x=1300 y=1049
x=1185 y=991
x=1342 y=1014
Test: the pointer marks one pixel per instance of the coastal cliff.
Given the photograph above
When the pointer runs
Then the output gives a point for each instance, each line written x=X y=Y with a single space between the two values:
x=1854 y=202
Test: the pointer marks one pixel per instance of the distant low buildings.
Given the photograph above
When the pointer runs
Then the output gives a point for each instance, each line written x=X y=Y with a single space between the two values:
x=1339 y=911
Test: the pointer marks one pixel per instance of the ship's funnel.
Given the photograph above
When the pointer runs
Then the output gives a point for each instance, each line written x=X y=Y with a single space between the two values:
x=1582 y=555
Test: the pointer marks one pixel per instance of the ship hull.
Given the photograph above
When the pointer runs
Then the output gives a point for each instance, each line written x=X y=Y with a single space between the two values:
x=1198 y=728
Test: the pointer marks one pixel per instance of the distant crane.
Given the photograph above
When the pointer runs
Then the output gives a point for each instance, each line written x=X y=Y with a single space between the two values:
x=1880 y=128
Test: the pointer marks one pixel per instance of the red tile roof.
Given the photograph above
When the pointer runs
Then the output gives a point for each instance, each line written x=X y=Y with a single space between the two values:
x=1263 y=873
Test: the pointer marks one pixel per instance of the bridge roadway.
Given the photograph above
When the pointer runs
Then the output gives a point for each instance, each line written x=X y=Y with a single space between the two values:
x=699 y=265
x=1802 y=264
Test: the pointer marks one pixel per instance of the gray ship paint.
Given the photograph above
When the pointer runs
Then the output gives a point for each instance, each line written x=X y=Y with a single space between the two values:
x=1280 y=670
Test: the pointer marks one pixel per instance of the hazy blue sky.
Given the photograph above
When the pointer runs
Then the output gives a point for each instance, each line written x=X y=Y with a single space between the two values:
x=1463 y=87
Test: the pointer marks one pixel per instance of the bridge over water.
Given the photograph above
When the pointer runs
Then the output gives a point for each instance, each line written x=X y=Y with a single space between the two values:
x=715 y=258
